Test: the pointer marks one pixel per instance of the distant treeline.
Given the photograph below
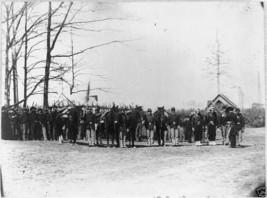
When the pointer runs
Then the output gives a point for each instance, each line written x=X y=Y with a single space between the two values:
x=255 y=117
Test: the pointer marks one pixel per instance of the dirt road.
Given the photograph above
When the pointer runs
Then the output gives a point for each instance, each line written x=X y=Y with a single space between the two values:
x=47 y=169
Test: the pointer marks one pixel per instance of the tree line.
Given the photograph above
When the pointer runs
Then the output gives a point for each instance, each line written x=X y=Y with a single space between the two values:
x=31 y=33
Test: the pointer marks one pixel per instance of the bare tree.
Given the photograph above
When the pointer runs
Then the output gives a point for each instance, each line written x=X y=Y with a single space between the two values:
x=216 y=66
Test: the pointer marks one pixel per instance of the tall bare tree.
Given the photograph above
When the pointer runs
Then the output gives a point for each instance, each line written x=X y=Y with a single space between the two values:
x=216 y=64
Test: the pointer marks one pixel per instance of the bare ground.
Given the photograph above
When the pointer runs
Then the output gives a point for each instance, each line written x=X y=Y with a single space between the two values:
x=47 y=169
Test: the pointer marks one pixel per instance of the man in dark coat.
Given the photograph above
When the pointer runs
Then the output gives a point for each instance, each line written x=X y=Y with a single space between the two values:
x=211 y=122
x=33 y=117
x=197 y=123
x=123 y=127
x=150 y=127
x=6 y=128
x=223 y=118
x=240 y=125
x=24 y=120
x=174 y=122
x=231 y=127
x=72 y=124
x=15 y=124
x=89 y=120
x=100 y=126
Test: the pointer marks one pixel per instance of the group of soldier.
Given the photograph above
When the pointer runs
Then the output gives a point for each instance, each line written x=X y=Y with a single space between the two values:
x=121 y=124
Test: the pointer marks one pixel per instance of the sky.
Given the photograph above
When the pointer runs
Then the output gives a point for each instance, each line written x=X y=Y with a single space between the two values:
x=163 y=61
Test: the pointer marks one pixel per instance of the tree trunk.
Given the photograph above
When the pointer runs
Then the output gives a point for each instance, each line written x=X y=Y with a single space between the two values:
x=25 y=58
x=48 y=59
x=7 y=79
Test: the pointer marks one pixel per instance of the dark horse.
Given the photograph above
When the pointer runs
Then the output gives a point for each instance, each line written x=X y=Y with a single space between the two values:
x=161 y=125
x=134 y=118
x=112 y=126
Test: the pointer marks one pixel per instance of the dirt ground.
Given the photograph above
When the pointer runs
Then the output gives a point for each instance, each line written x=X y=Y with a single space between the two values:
x=47 y=169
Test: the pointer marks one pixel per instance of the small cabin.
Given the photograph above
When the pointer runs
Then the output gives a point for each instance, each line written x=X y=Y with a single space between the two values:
x=218 y=102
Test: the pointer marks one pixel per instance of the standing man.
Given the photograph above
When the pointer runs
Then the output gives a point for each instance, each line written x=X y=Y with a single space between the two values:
x=90 y=127
x=14 y=123
x=124 y=126
x=231 y=127
x=34 y=123
x=240 y=126
x=100 y=126
x=197 y=123
x=73 y=122
x=174 y=122
x=24 y=119
x=212 y=123
x=161 y=125
x=223 y=118
x=150 y=127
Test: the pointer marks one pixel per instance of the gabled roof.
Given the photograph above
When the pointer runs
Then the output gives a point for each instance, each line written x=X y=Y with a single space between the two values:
x=227 y=99
x=212 y=103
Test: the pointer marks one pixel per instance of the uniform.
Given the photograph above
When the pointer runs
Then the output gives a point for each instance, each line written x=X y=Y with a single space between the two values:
x=174 y=122
x=24 y=120
x=197 y=122
x=240 y=125
x=223 y=118
x=124 y=126
x=211 y=122
x=72 y=124
x=231 y=129
x=90 y=127
x=58 y=124
x=150 y=127
x=14 y=123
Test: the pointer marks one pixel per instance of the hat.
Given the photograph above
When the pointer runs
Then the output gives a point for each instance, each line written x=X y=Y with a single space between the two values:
x=230 y=108
x=32 y=108
x=173 y=109
x=237 y=109
x=224 y=107
x=149 y=110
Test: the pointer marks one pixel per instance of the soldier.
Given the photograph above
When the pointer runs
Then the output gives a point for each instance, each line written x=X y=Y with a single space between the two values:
x=240 y=125
x=174 y=122
x=197 y=123
x=100 y=126
x=14 y=123
x=42 y=121
x=24 y=119
x=189 y=127
x=90 y=127
x=34 y=123
x=124 y=126
x=72 y=124
x=150 y=127
x=6 y=128
x=223 y=118
x=231 y=127
x=161 y=125
x=212 y=123
x=58 y=125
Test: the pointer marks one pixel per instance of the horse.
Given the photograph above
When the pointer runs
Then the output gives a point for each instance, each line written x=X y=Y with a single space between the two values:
x=112 y=125
x=161 y=118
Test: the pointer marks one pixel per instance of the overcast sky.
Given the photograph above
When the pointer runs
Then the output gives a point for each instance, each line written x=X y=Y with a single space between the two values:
x=164 y=64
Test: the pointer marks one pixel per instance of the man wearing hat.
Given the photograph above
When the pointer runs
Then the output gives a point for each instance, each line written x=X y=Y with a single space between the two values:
x=89 y=120
x=150 y=127
x=174 y=122
x=24 y=120
x=124 y=125
x=231 y=127
x=240 y=125
x=14 y=123
x=223 y=118
x=197 y=123
x=211 y=122
x=34 y=122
